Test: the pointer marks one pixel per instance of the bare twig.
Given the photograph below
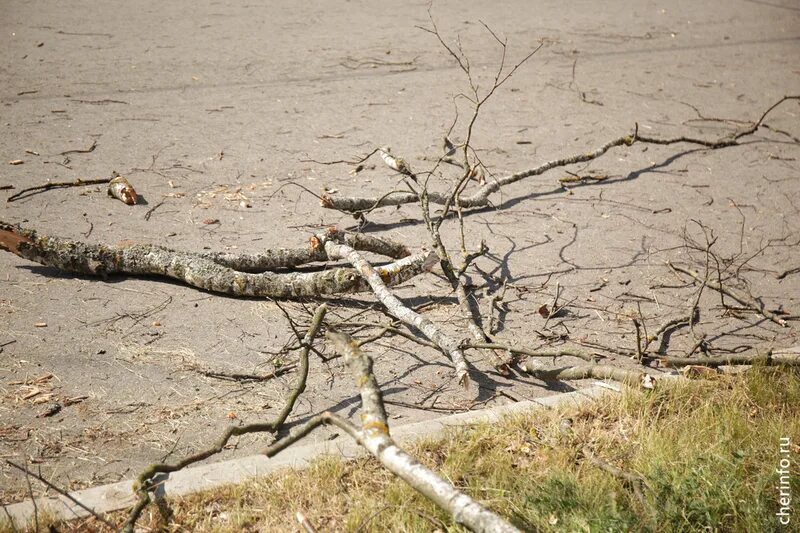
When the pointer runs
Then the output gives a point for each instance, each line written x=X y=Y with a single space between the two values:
x=61 y=491
x=481 y=197
x=745 y=299
x=30 y=191
x=637 y=482
x=81 y=150
x=144 y=481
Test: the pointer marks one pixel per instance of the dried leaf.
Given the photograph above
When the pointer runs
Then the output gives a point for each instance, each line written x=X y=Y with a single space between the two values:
x=544 y=311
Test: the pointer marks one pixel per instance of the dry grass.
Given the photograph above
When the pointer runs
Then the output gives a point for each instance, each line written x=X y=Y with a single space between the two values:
x=707 y=450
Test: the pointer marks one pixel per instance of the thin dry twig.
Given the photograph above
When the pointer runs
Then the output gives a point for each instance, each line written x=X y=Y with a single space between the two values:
x=62 y=492
x=745 y=299
x=30 y=191
x=480 y=198
x=145 y=480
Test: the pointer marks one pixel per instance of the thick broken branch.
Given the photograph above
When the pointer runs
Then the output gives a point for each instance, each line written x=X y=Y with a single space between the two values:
x=282 y=258
x=146 y=259
x=623 y=375
x=374 y=436
x=399 y=310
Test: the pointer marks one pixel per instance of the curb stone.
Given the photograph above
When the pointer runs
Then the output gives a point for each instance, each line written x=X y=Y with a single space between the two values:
x=120 y=495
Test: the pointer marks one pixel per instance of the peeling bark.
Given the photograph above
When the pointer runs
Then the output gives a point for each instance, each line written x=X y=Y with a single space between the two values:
x=393 y=304
x=281 y=258
x=374 y=436
x=623 y=375
x=145 y=259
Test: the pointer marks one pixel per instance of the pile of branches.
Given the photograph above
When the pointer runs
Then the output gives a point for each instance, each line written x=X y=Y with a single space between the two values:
x=274 y=274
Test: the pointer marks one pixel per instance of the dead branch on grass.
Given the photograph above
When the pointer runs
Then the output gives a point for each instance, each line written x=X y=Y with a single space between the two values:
x=629 y=377
x=146 y=481
x=374 y=436
x=636 y=481
x=768 y=358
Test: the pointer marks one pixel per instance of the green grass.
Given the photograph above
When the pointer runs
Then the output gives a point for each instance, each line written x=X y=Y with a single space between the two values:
x=707 y=451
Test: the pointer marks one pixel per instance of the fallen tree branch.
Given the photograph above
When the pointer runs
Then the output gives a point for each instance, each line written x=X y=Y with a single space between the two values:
x=144 y=482
x=145 y=259
x=282 y=258
x=24 y=193
x=399 y=310
x=745 y=299
x=374 y=436
x=480 y=198
x=632 y=378
x=768 y=358
x=636 y=481
x=531 y=353
x=61 y=491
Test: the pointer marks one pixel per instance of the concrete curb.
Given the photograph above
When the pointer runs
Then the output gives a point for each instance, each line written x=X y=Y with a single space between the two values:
x=116 y=496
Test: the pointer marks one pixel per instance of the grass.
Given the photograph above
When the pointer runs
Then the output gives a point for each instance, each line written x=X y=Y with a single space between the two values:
x=707 y=451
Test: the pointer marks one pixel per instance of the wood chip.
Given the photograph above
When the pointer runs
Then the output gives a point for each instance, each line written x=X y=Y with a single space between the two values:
x=50 y=411
x=121 y=189
x=74 y=400
x=16 y=162
x=40 y=325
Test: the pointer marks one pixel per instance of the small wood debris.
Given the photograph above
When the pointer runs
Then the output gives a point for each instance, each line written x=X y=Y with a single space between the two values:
x=16 y=162
x=121 y=189
x=52 y=409
x=74 y=400
x=40 y=325
x=395 y=163
x=699 y=372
